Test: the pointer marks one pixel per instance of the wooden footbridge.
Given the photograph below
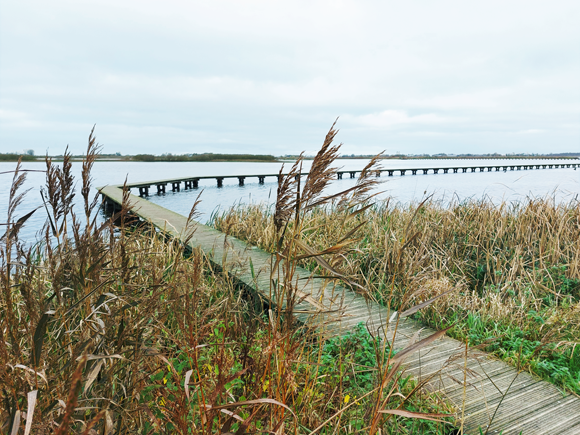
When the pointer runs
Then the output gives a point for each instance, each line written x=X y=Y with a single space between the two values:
x=193 y=182
x=490 y=395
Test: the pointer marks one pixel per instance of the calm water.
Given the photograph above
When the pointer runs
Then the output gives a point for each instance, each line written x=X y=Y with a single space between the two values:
x=562 y=184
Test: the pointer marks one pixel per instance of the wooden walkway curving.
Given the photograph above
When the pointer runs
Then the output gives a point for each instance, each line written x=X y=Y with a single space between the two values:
x=518 y=403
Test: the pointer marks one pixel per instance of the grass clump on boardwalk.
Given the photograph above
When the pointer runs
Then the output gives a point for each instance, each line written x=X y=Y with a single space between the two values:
x=514 y=269
x=111 y=328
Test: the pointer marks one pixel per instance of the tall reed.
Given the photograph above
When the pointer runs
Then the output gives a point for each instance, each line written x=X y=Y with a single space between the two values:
x=114 y=329
x=515 y=268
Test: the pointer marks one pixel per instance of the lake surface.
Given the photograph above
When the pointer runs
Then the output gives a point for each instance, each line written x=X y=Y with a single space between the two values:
x=561 y=184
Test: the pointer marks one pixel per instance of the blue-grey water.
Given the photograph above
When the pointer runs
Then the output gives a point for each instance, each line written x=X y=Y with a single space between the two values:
x=560 y=184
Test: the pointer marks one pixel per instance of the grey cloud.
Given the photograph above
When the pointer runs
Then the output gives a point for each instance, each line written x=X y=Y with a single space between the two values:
x=270 y=77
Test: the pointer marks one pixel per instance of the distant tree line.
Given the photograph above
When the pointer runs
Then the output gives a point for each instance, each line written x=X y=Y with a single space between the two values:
x=205 y=157
x=461 y=156
x=12 y=157
x=564 y=154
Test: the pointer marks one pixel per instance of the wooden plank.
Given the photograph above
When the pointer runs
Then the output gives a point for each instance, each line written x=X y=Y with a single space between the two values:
x=452 y=381
x=526 y=411
x=571 y=427
x=482 y=408
x=544 y=421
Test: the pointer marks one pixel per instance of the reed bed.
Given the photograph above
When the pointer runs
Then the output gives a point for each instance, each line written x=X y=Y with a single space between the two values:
x=111 y=328
x=512 y=270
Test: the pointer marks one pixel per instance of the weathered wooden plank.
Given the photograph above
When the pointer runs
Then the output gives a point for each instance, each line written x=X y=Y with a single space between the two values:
x=478 y=378
x=525 y=410
x=481 y=408
x=571 y=427
x=432 y=360
x=453 y=380
x=545 y=421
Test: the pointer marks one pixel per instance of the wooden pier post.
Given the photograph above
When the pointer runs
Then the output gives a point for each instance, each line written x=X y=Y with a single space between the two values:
x=261 y=179
x=144 y=191
x=241 y=180
x=175 y=186
x=220 y=181
x=160 y=189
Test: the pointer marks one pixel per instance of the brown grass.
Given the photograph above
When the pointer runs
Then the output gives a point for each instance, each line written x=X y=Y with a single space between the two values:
x=515 y=269
x=108 y=329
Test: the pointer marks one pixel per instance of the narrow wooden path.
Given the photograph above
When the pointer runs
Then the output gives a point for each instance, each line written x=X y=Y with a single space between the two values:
x=494 y=391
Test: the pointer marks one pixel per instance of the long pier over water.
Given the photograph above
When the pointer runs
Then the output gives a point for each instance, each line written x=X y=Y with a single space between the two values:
x=193 y=182
x=490 y=394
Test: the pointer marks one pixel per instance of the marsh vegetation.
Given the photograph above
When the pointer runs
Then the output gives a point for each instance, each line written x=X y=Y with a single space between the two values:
x=110 y=327
x=514 y=269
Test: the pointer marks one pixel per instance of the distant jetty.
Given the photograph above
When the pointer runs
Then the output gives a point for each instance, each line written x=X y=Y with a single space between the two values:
x=193 y=182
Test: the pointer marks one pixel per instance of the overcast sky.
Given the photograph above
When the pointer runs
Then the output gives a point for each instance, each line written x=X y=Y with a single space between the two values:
x=414 y=76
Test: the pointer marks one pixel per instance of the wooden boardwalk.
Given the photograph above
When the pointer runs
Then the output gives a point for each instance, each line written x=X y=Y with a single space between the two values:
x=193 y=182
x=479 y=386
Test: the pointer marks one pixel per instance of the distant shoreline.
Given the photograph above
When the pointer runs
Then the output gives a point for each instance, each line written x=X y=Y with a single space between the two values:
x=147 y=158
x=268 y=159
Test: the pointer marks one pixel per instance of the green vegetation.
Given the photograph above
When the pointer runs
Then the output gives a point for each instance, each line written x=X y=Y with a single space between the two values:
x=514 y=270
x=111 y=328
x=13 y=157
x=205 y=157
